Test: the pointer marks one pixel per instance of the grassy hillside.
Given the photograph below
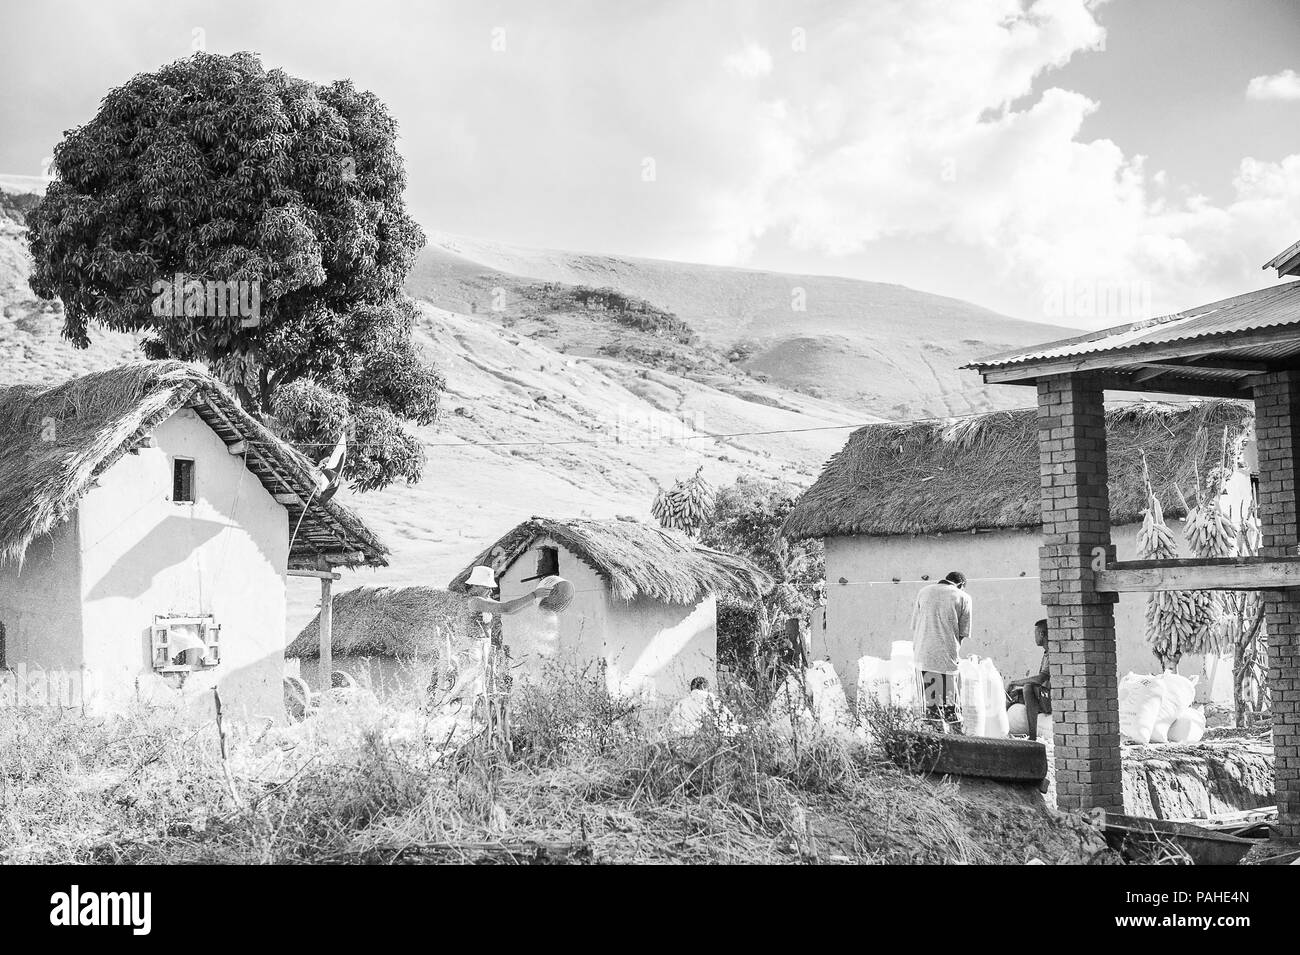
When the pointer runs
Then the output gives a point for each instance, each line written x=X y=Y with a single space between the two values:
x=885 y=349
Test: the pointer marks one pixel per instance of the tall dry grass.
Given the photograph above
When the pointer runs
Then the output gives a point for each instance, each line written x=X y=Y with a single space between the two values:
x=589 y=779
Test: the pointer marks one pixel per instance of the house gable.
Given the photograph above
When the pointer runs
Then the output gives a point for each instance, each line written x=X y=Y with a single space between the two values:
x=222 y=557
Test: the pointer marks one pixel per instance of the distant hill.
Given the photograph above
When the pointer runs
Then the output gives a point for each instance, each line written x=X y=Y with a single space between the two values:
x=889 y=350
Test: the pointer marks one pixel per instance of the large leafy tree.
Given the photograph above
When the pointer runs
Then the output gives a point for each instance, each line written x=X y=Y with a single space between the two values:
x=217 y=170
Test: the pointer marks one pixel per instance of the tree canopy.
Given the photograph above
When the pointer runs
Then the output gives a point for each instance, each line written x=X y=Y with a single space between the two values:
x=215 y=172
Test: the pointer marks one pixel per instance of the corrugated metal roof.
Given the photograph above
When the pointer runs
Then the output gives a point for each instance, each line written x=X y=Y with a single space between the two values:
x=1272 y=307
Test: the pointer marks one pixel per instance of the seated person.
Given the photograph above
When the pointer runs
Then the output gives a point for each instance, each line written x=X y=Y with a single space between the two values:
x=1034 y=691
x=698 y=709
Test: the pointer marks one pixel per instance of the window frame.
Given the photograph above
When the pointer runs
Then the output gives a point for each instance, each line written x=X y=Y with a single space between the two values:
x=160 y=633
x=193 y=480
x=547 y=554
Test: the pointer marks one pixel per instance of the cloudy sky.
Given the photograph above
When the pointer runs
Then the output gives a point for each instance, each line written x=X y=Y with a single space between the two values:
x=1032 y=157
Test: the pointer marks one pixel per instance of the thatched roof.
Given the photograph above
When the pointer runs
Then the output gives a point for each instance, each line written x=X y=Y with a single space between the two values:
x=97 y=418
x=384 y=622
x=983 y=473
x=634 y=558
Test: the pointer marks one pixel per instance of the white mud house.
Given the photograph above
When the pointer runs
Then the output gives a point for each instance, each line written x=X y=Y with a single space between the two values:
x=645 y=601
x=145 y=524
x=902 y=505
x=396 y=642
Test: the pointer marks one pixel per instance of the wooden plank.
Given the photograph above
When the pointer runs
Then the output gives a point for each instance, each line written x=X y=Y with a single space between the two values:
x=1202 y=562
x=1256 y=574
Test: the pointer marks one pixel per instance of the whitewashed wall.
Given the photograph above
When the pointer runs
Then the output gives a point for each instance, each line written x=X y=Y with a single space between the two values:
x=650 y=648
x=225 y=554
x=865 y=615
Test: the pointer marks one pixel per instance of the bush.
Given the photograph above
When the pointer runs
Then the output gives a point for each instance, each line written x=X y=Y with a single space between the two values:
x=569 y=712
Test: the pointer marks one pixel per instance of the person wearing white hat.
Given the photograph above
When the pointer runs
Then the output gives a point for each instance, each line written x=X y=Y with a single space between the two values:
x=479 y=586
x=483 y=581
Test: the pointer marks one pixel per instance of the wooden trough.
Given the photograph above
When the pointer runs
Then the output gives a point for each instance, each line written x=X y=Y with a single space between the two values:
x=1137 y=838
x=950 y=754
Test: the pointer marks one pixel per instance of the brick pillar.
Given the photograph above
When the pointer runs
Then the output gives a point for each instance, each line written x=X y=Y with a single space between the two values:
x=1076 y=522
x=1277 y=427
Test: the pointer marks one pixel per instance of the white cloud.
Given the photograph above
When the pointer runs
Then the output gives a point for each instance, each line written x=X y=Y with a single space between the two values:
x=915 y=120
x=1279 y=86
x=751 y=62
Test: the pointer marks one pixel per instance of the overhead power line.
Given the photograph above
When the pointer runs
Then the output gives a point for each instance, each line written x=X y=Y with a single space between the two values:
x=702 y=436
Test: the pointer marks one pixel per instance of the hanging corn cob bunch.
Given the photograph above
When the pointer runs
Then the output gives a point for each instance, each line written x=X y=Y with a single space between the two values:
x=659 y=506
x=687 y=506
x=1171 y=615
x=1209 y=533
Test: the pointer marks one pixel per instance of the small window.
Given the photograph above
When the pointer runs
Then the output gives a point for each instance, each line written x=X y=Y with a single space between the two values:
x=185 y=643
x=548 y=562
x=183 y=481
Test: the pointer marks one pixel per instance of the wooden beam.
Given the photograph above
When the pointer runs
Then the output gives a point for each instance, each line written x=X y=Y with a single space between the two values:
x=322 y=574
x=1150 y=576
x=334 y=558
x=1190 y=387
x=1147 y=372
x=1244 y=369
x=1221 y=364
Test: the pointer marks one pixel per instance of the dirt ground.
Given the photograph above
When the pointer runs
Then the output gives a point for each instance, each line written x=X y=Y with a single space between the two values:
x=968 y=821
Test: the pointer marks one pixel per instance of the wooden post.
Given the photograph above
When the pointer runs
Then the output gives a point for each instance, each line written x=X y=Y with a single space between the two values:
x=326 y=632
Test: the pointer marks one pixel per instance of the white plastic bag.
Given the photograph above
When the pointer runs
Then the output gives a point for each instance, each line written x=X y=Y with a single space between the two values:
x=996 y=724
x=970 y=694
x=1176 y=695
x=1140 y=698
x=902 y=684
x=1018 y=719
x=1189 y=727
x=829 y=704
x=788 y=710
x=902 y=675
x=873 y=681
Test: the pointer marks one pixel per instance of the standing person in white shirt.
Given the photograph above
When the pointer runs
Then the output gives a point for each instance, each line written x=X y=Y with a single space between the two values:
x=940 y=622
